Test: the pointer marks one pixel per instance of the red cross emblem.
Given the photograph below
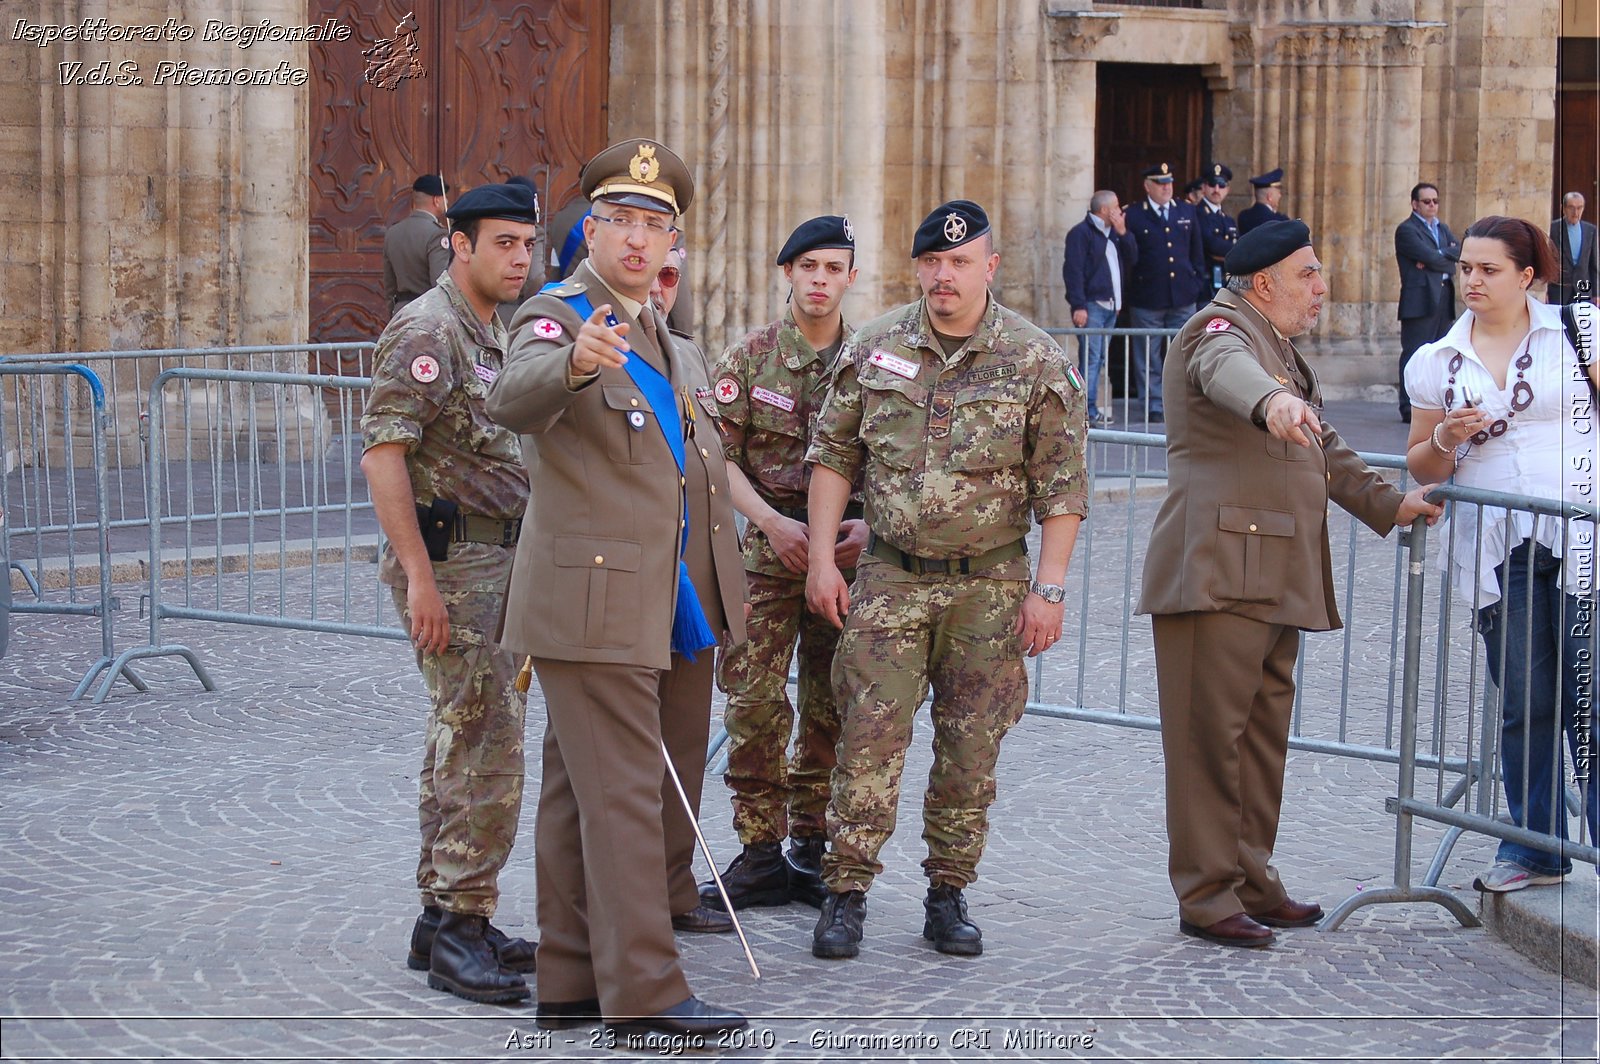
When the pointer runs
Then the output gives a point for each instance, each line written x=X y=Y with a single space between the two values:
x=727 y=390
x=1218 y=325
x=548 y=328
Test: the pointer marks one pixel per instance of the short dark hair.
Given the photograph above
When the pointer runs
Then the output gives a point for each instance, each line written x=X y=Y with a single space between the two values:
x=1526 y=244
x=468 y=226
x=1416 y=189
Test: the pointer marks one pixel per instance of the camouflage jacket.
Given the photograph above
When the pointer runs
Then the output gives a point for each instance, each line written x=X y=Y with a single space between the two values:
x=954 y=451
x=430 y=376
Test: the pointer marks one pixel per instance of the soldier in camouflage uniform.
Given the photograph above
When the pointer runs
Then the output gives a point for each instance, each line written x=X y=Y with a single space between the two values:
x=449 y=489
x=960 y=418
x=769 y=389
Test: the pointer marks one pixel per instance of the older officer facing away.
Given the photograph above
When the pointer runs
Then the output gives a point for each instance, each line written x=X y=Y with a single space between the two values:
x=619 y=573
x=449 y=489
x=1237 y=565
x=962 y=420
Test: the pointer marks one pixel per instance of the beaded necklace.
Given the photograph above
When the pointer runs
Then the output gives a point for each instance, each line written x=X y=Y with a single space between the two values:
x=1521 y=392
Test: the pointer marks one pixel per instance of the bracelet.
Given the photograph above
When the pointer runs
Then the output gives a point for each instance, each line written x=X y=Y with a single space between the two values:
x=1446 y=452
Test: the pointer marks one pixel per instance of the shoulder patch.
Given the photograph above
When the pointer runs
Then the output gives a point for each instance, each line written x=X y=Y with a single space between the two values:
x=425 y=369
x=1073 y=378
x=1218 y=325
x=727 y=390
x=563 y=289
x=548 y=328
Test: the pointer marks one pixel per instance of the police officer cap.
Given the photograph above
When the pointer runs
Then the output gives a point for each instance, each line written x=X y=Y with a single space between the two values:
x=430 y=185
x=828 y=231
x=515 y=203
x=639 y=173
x=1268 y=179
x=1160 y=172
x=1266 y=245
x=1217 y=174
x=1194 y=186
x=949 y=226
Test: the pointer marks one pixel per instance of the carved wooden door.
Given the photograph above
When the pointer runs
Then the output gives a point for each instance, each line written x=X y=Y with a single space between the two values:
x=1145 y=114
x=508 y=87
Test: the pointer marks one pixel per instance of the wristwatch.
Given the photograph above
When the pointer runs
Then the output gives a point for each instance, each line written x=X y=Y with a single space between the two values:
x=1049 y=592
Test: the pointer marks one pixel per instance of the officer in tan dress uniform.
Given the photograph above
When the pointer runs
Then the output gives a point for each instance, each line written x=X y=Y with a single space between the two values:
x=621 y=566
x=416 y=249
x=1238 y=565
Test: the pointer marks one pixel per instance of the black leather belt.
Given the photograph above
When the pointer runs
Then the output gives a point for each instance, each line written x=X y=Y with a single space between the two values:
x=911 y=563
x=852 y=512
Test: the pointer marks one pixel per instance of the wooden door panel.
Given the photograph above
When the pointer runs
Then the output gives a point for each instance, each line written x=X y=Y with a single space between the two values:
x=1147 y=113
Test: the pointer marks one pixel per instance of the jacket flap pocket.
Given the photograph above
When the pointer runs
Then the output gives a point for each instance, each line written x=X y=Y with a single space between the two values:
x=590 y=552
x=625 y=397
x=1258 y=522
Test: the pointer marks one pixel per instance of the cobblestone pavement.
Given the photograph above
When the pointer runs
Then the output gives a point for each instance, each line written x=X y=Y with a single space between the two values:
x=227 y=876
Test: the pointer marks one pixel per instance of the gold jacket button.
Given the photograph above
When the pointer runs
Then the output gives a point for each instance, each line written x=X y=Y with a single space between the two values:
x=704 y=453
x=633 y=402
x=599 y=559
x=716 y=528
x=713 y=489
x=1252 y=528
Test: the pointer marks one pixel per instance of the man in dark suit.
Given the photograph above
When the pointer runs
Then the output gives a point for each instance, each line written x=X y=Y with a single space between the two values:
x=1168 y=276
x=416 y=249
x=1427 y=253
x=1237 y=566
x=1268 y=190
x=627 y=562
x=1579 y=253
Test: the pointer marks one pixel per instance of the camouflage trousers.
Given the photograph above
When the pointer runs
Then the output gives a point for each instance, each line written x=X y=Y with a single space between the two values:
x=905 y=633
x=774 y=795
x=469 y=793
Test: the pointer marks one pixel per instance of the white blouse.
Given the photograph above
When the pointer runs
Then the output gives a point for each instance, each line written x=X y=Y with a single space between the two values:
x=1547 y=450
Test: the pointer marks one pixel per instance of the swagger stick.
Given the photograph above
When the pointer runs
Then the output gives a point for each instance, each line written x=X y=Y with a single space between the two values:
x=712 y=861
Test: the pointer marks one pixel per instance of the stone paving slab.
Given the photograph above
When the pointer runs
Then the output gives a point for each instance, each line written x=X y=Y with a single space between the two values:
x=227 y=876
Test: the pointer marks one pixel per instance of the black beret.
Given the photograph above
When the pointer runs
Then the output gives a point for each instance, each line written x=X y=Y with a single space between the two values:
x=1217 y=174
x=515 y=203
x=527 y=183
x=1267 y=245
x=949 y=226
x=430 y=185
x=1159 y=172
x=1268 y=179
x=828 y=231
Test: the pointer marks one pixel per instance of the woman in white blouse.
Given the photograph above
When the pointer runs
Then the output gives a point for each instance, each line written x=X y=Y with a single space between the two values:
x=1501 y=403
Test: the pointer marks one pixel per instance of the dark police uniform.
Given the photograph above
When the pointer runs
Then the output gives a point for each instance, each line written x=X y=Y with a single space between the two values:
x=1167 y=279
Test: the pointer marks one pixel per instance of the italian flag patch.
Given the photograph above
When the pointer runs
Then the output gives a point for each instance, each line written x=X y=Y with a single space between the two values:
x=1074 y=377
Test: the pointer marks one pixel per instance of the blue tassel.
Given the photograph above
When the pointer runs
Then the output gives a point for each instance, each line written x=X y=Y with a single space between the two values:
x=690 y=632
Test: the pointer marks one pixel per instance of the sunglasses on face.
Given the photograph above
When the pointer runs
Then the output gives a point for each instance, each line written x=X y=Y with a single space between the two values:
x=668 y=276
x=1427 y=202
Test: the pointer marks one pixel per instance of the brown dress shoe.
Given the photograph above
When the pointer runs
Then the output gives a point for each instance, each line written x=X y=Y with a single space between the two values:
x=1290 y=914
x=703 y=921
x=1236 y=930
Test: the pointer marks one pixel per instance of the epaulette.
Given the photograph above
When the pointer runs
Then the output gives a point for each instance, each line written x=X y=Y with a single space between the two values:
x=563 y=289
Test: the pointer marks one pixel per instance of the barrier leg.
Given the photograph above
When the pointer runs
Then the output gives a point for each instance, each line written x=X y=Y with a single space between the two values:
x=96 y=669
x=120 y=666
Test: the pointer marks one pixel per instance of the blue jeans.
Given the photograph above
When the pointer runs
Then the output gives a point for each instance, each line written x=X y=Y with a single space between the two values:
x=1150 y=350
x=1092 y=352
x=1548 y=660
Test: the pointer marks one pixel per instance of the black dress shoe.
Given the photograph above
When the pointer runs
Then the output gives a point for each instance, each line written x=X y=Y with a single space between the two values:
x=565 y=1015
x=691 y=1017
x=839 y=925
x=515 y=954
x=805 y=870
x=947 y=925
x=1236 y=930
x=1290 y=914
x=758 y=876
x=462 y=963
x=703 y=920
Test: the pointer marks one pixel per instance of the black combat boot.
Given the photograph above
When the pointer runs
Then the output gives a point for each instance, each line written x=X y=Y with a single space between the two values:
x=805 y=870
x=515 y=954
x=947 y=925
x=838 y=932
x=463 y=963
x=758 y=876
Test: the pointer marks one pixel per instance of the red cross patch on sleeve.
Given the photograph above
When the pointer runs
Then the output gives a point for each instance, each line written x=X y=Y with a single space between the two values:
x=425 y=369
x=548 y=328
x=1218 y=325
x=727 y=390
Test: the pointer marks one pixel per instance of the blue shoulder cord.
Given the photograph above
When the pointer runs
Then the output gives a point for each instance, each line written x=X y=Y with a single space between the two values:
x=690 y=631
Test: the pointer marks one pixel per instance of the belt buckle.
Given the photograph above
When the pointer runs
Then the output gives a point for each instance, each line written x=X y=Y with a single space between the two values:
x=509 y=532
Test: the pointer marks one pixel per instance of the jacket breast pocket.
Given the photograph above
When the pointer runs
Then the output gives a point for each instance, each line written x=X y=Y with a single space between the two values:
x=988 y=430
x=1285 y=451
x=1252 y=554
x=597 y=585
x=629 y=421
x=893 y=419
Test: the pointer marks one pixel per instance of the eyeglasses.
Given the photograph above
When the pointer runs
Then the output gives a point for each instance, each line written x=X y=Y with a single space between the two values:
x=653 y=226
x=1427 y=202
x=668 y=276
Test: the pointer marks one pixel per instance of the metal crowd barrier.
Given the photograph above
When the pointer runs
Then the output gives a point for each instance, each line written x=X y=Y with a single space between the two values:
x=53 y=494
x=1118 y=382
x=1451 y=706
x=240 y=461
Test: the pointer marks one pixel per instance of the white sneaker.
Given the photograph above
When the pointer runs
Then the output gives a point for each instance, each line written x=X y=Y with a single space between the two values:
x=1505 y=876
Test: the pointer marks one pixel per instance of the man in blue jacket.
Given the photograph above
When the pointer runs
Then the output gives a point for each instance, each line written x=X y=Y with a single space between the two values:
x=1167 y=279
x=1099 y=249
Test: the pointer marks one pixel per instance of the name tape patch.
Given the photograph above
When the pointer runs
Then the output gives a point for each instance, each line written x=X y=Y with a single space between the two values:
x=894 y=364
x=486 y=374
x=771 y=398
